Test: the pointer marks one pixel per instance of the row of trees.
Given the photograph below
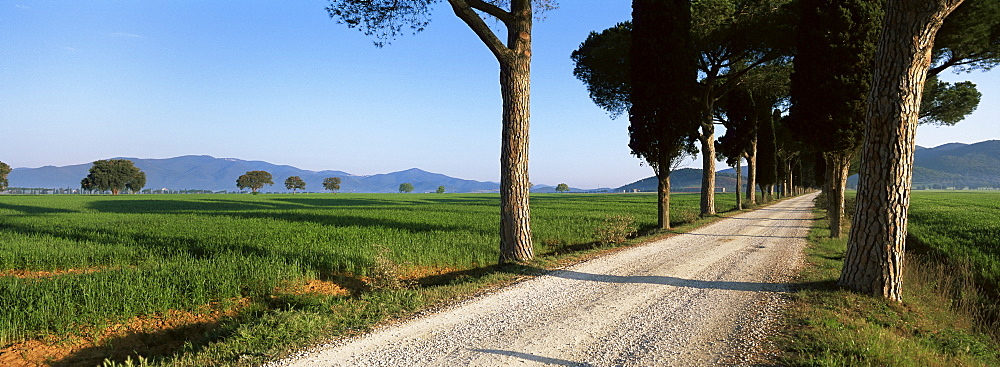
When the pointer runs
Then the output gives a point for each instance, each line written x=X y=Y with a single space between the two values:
x=255 y=180
x=801 y=86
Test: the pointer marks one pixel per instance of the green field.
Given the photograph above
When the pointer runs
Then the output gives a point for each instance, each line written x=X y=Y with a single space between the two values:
x=961 y=226
x=113 y=258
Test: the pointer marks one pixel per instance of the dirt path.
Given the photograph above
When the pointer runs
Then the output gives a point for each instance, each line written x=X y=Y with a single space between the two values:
x=702 y=298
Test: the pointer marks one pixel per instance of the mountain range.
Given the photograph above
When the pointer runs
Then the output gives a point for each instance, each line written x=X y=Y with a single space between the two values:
x=954 y=165
x=202 y=172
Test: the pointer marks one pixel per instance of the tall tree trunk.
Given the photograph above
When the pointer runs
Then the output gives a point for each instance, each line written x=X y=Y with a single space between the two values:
x=752 y=173
x=791 y=184
x=739 y=178
x=663 y=197
x=839 y=163
x=515 y=87
x=708 y=169
x=873 y=263
x=707 y=139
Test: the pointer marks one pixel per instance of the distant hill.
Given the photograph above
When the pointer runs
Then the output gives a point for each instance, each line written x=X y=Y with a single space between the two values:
x=201 y=172
x=953 y=165
x=959 y=165
x=684 y=180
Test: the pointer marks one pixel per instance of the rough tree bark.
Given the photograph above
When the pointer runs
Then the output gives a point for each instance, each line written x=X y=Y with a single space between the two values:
x=663 y=198
x=515 y=77
x=752 y=173
x=739 y=179
x=839 y=164
x=707 y=139
x=873 y=263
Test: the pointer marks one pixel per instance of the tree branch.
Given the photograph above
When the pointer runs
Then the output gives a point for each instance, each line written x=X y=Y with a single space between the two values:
x=491 y=9
x=465 y=12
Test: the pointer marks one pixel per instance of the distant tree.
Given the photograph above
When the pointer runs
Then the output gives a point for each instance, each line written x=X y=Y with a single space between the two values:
x=254 y=180
x=562 y=187
x=4 y=171
x=331 y=183
x=440 y=190
x=767 y=164
x=295 y=183
x=114 y=175
x=728 y=38
x=406 y=187
x=137 y=182
x=830 y=84
x=626 y=67
x=386 y=19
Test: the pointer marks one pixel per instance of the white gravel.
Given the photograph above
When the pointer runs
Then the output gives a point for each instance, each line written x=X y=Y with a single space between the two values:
x=702 y=298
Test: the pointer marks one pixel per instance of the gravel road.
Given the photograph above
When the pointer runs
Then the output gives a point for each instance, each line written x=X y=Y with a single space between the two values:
x=701 y=298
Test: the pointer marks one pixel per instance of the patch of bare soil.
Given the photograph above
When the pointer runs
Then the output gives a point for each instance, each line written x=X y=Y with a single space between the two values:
x=315 y=286
x=156 y=335
x=33 y=274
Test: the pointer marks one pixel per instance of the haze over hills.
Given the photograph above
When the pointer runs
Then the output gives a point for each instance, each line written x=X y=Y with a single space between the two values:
x=201 y=172
x=954 y=165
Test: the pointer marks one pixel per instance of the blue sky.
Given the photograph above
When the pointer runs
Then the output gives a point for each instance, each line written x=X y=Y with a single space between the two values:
x=282 y=82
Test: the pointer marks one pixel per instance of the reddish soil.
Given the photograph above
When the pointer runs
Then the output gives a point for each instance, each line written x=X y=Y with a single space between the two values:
x=161 y=334
x=23 y=274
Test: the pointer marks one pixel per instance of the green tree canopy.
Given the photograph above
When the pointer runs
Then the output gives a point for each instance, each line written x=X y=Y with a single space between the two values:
x=944 y=103
x=406 y=187
x=970 y=39
x=114 y=175
x=254 y=180
x=331 y=183
x=295 y=183
x=833 y=72
x=602 y=63
x=440 y=190
x=4 y=171
x=562 y=187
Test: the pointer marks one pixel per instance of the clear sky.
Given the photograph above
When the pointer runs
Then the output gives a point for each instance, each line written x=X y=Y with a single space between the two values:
x=279 y=81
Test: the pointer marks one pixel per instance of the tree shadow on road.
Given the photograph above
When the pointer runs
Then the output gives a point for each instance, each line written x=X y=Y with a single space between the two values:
x=674 y=281
x=534 y=358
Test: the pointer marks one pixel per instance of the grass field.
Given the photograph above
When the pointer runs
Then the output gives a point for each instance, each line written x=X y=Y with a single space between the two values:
x=963 y=227
x=77 y=265
x=948 y=317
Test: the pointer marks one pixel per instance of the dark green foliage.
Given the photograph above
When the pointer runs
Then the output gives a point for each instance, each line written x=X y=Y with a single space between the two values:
x=767 y=173
x=602 y=63
x=945 y=103
x=383 y=19
x=662 y=119
x=114 y=175
x=440 y=190
x=406 y=187
x=295 y=183
x=254 y=180
x=741 y=125
x=750 y=102
x=331 y=183
x=833 y=72
x=970 y=39
x=4 y=171
x=562 y=187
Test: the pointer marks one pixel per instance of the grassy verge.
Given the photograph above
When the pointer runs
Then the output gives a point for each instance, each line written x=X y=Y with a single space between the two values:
x=828 y=326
